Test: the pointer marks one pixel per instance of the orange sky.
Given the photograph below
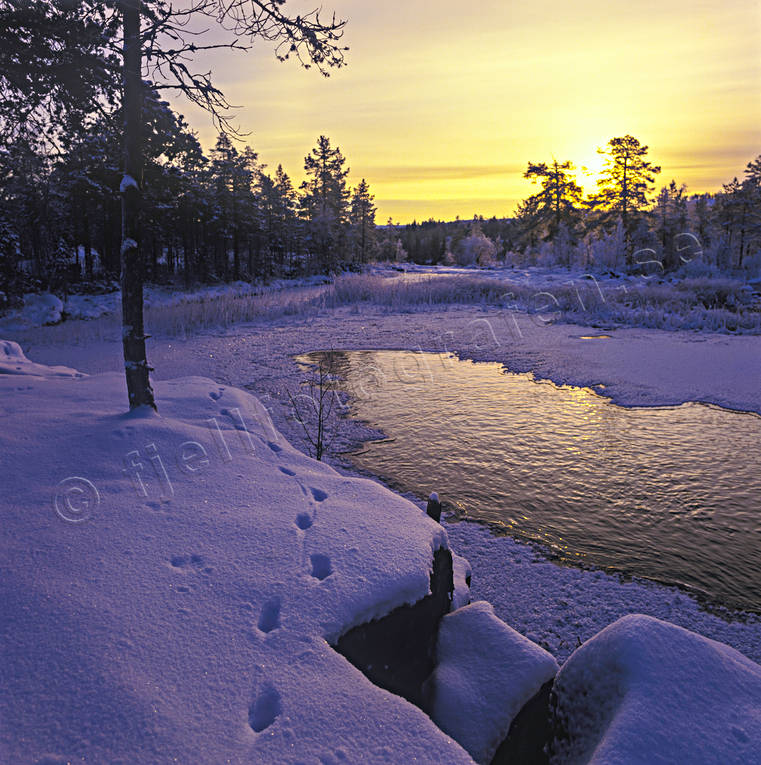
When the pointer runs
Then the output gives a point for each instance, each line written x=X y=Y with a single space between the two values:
x=442 y=104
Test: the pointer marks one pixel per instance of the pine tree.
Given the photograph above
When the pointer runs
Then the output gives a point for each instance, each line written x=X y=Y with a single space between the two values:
x=739 y=214
x=626 y=181
x=560 y=198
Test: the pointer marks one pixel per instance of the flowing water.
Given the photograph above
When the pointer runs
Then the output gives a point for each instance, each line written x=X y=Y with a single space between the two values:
x=668 y=493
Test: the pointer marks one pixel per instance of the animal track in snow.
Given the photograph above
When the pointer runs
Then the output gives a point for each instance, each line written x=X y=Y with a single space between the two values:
x=321 y=566
x=269 y=618
x=318 y=494
x=216 y=394
x=275 y=448
x=265 y=709
x=190 y=562
x=287 y=471
x=303 y=521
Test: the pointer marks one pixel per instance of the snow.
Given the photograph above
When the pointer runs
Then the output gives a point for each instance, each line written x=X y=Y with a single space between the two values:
x=128 y=182
x=462 y=574
x=171 y=584
x=560 y=607
x=486 y=673
x=555 y=606
x=14 y=362
x=645 y=691
x=128 y=244
x=39 y=310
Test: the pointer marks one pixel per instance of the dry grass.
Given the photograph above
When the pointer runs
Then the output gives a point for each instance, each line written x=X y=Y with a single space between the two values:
x=715 y=305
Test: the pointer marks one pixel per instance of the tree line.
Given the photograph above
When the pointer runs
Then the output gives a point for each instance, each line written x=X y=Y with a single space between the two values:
x=205 y=216
x=623 y=224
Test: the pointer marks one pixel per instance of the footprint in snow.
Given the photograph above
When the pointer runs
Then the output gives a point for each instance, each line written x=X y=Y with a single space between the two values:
x=287 y=471
x=264 y=709
x=269 y=618
x=321 y=566
x=190 y=563
x=216 y=394
x=318 y=494
x=303 y=521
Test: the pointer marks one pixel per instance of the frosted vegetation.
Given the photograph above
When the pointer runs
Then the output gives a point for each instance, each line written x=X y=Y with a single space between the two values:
x=718 y=304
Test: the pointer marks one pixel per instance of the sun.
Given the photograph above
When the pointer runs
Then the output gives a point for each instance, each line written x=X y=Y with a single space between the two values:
x=588 y=170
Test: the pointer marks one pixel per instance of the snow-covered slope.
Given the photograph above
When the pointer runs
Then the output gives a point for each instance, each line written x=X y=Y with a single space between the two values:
x=645 y=691
x=170 y=584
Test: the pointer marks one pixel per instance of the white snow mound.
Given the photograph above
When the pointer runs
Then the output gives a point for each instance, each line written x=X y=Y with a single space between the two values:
x=14 y=362
x=486 y=673
x=170 y=585
x=646 y=691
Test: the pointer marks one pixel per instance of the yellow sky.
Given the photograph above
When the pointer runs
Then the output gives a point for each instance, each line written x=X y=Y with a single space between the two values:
x=443 y=103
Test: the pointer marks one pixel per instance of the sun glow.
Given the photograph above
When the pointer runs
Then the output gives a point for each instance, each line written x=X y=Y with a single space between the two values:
x=442 y=110
x=588 y=170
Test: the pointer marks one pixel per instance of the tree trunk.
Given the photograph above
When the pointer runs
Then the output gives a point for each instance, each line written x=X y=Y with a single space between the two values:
x=133 y=334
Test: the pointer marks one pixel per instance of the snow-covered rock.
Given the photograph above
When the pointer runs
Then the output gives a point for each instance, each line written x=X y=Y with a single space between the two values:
x=171 y=584
x=646 y=691
x=486 y=672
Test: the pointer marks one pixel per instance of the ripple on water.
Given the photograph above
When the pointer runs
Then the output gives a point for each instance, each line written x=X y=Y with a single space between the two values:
x=670 y=493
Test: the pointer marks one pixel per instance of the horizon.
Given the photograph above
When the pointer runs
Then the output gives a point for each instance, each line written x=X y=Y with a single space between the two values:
x=516 y=85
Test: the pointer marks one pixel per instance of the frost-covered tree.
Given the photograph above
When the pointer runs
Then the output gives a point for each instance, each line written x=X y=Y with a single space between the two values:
x=324 y=201
x=362 y=220
x=670 y=220
x=475 y=249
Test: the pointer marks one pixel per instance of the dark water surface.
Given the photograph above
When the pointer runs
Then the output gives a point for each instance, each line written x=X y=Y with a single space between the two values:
x=668 y=493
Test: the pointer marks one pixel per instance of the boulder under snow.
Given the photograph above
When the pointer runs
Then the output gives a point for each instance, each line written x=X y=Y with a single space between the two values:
x=643 y=691
x=486 y=673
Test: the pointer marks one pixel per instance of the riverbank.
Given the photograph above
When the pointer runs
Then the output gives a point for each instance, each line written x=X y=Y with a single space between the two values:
x=553 y=605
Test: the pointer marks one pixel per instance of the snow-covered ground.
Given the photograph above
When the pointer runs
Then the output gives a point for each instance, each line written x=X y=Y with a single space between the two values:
x=644 y=691
x=171 y=583
x=556 y=607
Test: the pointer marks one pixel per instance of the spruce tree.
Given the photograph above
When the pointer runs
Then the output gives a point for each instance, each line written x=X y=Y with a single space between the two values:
x=362 y=219
x=670 y=215
x=324 y=202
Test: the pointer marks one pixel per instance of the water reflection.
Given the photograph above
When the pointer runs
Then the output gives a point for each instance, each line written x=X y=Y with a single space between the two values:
x=669 y=493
